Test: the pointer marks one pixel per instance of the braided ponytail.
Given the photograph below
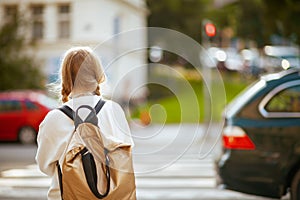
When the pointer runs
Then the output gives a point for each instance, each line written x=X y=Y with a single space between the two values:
x=65 y=94
x=97 y=91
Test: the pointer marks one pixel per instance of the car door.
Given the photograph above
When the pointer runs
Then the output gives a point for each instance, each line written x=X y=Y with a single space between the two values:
x=278 y=138
x=11 y=117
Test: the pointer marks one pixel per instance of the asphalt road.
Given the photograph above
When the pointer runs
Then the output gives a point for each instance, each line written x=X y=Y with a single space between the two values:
x=14 y=155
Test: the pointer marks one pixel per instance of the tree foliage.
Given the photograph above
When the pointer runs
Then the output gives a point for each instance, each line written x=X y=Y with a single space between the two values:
x=255 y=20
x=260 y=20
x=17 y=69
x=182 y=15
x=282 y=18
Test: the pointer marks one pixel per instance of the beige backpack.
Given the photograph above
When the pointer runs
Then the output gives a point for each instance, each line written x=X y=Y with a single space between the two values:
x=95 y=167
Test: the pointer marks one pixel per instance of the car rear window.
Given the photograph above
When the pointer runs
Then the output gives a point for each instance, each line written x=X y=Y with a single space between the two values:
x=10 y=105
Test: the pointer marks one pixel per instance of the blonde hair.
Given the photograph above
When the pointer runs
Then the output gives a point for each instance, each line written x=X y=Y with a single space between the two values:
x=81 y=72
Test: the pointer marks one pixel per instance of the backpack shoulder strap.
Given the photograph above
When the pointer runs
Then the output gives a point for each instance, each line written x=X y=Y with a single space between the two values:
x=70 y=113
x=99 y=105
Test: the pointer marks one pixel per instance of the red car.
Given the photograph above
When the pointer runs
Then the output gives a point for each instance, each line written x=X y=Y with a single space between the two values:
x=21 y=112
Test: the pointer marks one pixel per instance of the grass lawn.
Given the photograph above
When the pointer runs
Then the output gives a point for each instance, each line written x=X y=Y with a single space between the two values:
x=187 y=106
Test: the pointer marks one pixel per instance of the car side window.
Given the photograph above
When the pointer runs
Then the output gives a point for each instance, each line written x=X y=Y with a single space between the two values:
x=282 y=101
x=287 y=100
x=30 y=105
x=10 y=105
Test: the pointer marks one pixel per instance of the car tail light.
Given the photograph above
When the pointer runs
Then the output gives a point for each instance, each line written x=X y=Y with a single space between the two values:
x=236 y=138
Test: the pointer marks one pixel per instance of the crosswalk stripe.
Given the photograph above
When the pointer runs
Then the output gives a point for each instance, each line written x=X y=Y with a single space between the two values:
x=140 y=182
x=174 y=194
x=8 y=193
x=181 y=162
x=25 y=183
x=22 y=173
x=175 y=174
x=175 y=183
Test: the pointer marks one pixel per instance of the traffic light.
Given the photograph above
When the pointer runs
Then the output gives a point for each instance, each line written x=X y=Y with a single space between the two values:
x=209 y=32
x=210 y=29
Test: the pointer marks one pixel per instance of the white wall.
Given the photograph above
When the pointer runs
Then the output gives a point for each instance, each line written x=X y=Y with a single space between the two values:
x=93 y=22
x=99 y=26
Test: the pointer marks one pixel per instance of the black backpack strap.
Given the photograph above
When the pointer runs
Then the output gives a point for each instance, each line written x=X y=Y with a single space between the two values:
x=59 y=179
x=70 y=113
x=90 y=172
x=99 y=106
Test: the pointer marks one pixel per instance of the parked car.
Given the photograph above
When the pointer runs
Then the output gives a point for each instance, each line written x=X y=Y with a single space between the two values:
x=261 y=138
x=21 y=112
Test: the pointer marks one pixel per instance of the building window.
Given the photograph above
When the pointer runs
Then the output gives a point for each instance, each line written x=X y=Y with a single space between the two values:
x=64 y=9
x=10 y=12
x=64 y=21
x=37 y=21
x=37 y=10
x=64 y=29
x=37 y=31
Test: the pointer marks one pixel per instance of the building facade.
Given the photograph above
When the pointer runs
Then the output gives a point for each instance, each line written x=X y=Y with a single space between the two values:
x=57 y=25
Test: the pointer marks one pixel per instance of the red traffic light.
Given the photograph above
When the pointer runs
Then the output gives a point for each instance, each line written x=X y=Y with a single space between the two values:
x=210 y=29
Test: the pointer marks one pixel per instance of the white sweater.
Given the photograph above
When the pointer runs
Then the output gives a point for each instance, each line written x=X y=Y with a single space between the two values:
x=56 y=130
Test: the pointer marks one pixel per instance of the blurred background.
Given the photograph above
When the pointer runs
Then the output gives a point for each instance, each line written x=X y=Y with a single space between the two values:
x=243 y=39
x=240 y=41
